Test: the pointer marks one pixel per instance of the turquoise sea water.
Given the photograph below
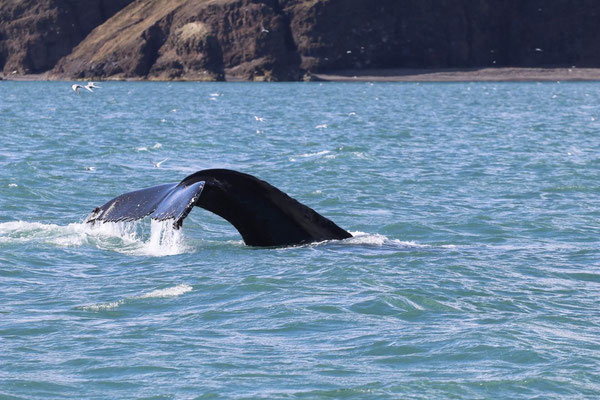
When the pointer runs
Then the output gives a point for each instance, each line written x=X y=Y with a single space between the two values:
x=474 y=271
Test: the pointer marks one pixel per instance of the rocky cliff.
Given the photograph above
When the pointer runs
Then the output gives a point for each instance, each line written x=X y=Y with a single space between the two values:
x=288 y=39
x=185 y=39
x=35 y=34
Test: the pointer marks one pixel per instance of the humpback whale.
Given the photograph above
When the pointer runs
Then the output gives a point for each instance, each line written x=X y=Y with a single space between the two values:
x=262 y=214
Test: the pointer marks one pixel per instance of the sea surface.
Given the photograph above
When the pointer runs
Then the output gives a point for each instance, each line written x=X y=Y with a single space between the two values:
x=473 y=273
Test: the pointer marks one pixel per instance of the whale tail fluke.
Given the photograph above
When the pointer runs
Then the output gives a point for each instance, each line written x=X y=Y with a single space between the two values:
x=262 y=214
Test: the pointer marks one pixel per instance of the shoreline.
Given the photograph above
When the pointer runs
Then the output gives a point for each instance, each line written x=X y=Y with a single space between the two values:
x=500 y=74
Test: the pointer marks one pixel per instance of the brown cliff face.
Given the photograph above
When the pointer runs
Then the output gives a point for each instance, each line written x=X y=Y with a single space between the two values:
x=181 y=39
x=436 y=34
x=35 y=34
x=284 y=39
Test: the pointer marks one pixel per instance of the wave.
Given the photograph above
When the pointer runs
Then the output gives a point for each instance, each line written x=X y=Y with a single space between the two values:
x=310 y=155
x=329 y=154
x=375 y=239
x=133 y=238
x=173 y=291
x=123 y=237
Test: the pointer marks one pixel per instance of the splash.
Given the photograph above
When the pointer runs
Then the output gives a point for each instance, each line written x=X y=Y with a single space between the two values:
x=131 y=238
x=24 y=232
x=123 y=237
x=164 y=239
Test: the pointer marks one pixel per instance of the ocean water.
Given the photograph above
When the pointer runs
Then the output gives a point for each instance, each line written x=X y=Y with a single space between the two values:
x=474 y=270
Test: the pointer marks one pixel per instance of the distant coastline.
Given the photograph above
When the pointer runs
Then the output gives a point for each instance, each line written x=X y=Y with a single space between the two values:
x=295 y=40
x=500 y=74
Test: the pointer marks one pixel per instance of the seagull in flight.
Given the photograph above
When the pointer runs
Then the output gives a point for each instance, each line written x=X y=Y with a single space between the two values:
x=92 y=85
x=263 y=29
x=157 y=165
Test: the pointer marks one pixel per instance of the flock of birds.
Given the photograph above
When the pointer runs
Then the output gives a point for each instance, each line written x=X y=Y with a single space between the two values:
x=90 y=86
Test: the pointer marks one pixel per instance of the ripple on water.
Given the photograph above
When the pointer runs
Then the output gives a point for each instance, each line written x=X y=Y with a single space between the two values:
x=472 y=271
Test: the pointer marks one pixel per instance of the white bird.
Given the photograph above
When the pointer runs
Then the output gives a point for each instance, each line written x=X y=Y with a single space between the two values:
x=157 y=165
x=88 y=87
x=261 y=119
x=90 y=168
x=263 y=29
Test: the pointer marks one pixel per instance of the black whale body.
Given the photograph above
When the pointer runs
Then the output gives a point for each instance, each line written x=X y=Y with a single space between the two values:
x=263 y=214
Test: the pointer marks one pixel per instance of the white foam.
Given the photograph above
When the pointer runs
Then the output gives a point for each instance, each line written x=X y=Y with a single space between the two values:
x=165 y=240
x=129 y=232
x=122 y=237
x=23 y=232
x=310 y=155
x=167 y=292
x=375 y=239
x=155 y=147
x=173 y=291
x=103 y=306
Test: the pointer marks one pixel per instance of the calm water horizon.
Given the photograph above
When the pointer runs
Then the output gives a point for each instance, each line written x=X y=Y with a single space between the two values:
x=474 y=270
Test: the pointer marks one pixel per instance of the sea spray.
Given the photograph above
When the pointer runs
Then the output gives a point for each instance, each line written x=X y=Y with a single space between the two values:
x=130 y=231
x=165 y=240
x=59 y=235
x=129 y=237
